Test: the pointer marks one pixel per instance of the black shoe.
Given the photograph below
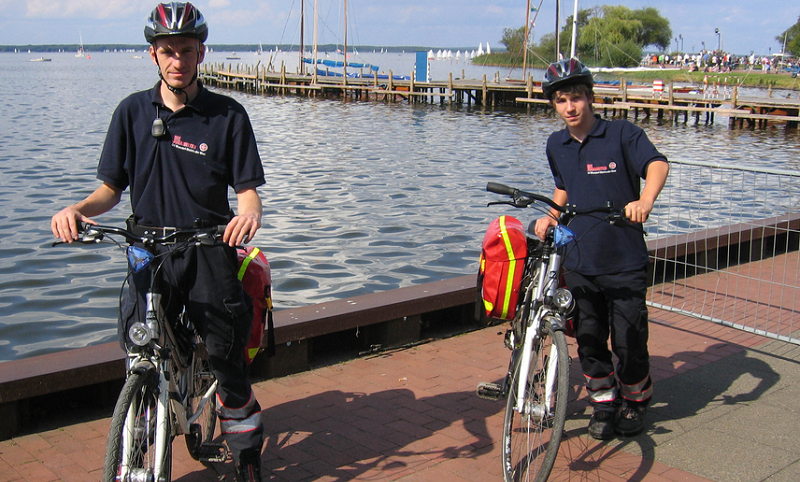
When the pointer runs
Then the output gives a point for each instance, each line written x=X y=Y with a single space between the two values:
x=631 y=420
x=248 y=469
x=601 y=425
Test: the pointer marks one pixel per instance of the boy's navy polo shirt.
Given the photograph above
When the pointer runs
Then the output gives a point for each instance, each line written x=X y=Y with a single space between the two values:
x=606 y=166
x=183 y=175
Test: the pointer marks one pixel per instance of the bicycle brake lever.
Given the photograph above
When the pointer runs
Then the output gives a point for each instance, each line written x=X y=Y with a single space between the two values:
x=495 y=203
x=621 y=221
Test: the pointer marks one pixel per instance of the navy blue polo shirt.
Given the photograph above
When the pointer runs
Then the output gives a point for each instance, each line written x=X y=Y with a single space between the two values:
x=185 y=174
x=606 y=166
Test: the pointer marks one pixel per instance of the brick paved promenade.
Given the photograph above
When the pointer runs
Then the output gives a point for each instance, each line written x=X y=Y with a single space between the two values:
x=725 y=409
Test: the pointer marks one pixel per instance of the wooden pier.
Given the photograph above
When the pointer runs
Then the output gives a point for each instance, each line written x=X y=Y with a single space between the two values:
x=613 y=101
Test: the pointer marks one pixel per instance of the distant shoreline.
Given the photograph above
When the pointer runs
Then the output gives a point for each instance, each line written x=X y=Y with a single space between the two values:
x=54 y=48
x=742 y=78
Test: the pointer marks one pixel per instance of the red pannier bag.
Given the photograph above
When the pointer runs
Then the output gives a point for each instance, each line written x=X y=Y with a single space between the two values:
x=256 y=279
x=505 y=248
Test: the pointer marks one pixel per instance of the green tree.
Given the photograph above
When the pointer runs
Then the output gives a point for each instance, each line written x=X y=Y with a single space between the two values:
x=514 y=40
x=624 y=54
x=792 y=38
x=608 y=35
x=655 y=28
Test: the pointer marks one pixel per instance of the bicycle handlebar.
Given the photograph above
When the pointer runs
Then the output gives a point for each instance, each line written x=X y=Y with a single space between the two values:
x=92 y=233
x=523 y=199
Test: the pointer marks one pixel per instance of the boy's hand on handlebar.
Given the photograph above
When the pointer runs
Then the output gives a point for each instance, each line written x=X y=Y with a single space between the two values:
x=638 y=211
x=542 y=224
x=65 y=224
x=241 y=230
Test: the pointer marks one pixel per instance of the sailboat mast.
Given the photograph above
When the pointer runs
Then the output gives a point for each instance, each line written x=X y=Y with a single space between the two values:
x=314 y=74
x=302 y=25
x=525 y=43
x=574 y=30
x=558 y=36
x=345 y=42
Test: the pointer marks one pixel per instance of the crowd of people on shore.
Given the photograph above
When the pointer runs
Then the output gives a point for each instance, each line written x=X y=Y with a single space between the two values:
x=719 y=61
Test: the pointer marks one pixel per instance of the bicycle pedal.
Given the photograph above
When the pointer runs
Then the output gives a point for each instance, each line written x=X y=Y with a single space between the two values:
x=490 y=391
x=212 y=453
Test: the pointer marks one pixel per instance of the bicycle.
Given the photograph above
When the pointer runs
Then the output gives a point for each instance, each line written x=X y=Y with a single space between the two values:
x=537 y=381
x=169 y=386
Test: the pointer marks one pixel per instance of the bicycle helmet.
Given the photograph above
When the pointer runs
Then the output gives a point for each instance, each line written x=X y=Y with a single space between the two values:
x=563 y=73
x=175 y=18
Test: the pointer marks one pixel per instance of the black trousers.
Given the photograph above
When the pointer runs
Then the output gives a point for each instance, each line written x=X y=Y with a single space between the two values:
x=613 y=306
x=203 y=279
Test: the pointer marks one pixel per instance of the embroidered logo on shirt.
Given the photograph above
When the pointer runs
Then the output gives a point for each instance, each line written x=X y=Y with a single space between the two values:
x=609 y=169
x=188 y=146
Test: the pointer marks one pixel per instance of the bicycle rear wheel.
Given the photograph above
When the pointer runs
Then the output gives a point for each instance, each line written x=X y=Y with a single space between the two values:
x=202 y=430
x=531 y=438
x=131 y=446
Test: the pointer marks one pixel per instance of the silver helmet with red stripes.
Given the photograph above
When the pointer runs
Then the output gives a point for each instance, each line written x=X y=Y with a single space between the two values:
x=175 y=18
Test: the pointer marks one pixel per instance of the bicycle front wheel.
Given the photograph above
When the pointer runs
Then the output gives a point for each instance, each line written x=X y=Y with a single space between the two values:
x=202 y=430
x=531 y=436
x=131 y=447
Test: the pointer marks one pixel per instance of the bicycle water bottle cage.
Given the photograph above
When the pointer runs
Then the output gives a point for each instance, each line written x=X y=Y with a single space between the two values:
x=562 y=236
x=138 y=258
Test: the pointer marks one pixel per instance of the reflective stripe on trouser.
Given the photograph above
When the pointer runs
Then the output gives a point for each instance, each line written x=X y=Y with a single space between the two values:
x=601 y=390
x=241 y=427
x=640 y=392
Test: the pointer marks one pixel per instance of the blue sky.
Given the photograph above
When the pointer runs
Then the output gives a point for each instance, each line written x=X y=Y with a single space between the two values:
x=745 y=25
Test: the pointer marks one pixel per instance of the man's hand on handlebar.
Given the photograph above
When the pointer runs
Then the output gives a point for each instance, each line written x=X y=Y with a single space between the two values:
x=66 y=222
x=542 y=224
x=241 y=230
x=638 y=211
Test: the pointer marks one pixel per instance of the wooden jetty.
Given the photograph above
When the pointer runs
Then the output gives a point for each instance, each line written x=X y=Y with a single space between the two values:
x=615 y=101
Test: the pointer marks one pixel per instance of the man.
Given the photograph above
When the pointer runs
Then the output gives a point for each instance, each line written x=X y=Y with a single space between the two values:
x=178 y=147
x=594 y=161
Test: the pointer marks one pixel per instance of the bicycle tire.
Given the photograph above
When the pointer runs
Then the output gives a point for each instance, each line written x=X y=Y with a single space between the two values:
x=202 y=431
x=135 y=415
x=531 y=442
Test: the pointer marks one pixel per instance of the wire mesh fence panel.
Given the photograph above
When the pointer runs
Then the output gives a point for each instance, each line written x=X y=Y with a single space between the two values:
x=724 y=246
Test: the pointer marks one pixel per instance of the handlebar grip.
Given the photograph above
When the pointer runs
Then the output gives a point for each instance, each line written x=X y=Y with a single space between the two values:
x=498 y=188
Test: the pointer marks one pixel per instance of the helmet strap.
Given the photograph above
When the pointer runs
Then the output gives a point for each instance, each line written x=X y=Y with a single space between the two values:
x=175 y=90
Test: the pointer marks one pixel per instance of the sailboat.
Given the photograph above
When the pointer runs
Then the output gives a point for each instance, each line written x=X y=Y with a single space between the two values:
x=80 y=47
x=371 y=70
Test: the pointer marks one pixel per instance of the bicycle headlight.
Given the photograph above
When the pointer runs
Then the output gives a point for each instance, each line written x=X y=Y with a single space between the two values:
x=563 y=299
x=139 y=334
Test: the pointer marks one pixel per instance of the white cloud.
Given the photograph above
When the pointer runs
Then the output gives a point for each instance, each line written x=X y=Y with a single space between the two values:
x=91 y=9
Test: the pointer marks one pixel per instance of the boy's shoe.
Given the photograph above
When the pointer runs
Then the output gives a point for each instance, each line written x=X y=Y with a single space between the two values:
x=248 y=469
x=631 y=420
x=601 y=425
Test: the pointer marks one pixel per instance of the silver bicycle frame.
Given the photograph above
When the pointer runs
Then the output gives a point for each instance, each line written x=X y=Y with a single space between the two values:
x=544 y=286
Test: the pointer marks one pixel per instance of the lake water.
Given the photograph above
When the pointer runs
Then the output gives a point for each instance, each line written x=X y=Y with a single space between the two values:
x=360 y=197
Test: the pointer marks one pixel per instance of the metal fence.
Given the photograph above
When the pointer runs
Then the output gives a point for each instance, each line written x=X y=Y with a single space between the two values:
x=724 y=246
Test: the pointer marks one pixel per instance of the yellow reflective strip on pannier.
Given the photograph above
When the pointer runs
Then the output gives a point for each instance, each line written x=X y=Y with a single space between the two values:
x=246 y=262
x=512 y=264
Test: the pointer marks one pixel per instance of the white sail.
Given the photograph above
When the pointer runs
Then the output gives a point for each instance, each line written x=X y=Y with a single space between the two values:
x=80 y=47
